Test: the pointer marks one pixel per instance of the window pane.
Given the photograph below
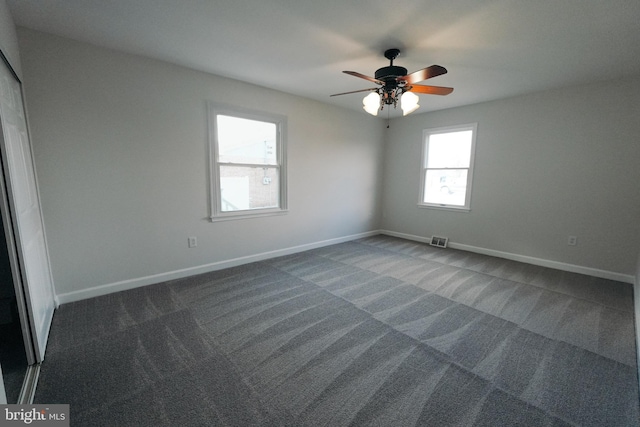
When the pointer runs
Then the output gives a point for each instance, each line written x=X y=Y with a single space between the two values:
x=445 y=187
x=449 y=150
x=246 y=141
x=243 y=188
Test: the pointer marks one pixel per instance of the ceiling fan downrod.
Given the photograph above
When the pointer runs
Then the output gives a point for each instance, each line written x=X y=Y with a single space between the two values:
x=391 y=54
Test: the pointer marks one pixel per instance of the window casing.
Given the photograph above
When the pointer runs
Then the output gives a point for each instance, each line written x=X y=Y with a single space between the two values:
x=447 y=167
x=247 y=163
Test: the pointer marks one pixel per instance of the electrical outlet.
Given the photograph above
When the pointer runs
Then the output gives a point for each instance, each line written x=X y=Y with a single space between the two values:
x=573 y=240
x=193 y=242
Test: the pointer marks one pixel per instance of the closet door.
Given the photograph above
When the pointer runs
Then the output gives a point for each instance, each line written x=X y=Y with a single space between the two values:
x=24 y=207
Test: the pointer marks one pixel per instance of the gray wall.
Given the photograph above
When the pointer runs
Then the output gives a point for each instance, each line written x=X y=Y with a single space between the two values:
x=9 y=39
x=548 y=165
x=120 y=144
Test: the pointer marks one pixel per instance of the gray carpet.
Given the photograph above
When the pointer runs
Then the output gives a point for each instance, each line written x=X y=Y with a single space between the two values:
x=380 y=331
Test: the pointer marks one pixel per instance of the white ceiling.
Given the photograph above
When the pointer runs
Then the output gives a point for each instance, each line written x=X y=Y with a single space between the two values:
x=492 y=48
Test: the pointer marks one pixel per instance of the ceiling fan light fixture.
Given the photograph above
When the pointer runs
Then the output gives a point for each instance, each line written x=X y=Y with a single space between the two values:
x=394 y=85
x=409 y=103
x=371 y=103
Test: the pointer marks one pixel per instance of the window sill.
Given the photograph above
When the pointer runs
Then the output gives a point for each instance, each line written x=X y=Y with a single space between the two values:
x=246 y=215
x=444 y=207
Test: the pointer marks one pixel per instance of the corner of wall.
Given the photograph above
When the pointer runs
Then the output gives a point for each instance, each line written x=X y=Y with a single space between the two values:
x=9 y=38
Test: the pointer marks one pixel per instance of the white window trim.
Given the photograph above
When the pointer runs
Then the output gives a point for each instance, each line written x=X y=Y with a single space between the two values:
x=216 y=213
x=425 y=133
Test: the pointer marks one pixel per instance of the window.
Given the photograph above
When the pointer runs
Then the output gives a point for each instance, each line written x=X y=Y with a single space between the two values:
x=248 y=163
x=447 y=167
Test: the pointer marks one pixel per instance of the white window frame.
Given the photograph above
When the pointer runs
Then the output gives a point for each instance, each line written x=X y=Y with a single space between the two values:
x=217 y=214
x=426 y=133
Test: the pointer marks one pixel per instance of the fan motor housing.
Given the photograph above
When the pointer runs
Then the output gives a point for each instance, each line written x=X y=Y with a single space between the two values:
x=390 y=72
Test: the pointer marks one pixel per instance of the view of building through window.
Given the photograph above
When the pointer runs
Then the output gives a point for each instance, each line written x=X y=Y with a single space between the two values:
x=248 y=164
x=447 y=164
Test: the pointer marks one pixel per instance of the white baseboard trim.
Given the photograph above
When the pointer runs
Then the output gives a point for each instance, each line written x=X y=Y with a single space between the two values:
x=603 y=274
x=191 y=271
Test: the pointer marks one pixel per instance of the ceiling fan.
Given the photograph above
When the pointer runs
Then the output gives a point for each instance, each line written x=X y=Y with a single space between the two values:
x=396 y=85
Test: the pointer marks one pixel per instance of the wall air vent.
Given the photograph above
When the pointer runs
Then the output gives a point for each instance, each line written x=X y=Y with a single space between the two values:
x=440 y=242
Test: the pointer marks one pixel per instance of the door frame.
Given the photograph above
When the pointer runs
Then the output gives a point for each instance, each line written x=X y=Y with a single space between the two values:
x=14 y=260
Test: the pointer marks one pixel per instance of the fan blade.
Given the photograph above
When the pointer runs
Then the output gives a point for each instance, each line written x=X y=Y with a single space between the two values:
x=424 y=74
x=362 y=76
x=355 y=91
x=431 y=90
